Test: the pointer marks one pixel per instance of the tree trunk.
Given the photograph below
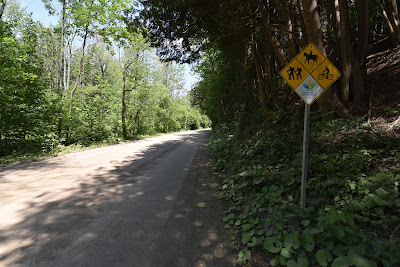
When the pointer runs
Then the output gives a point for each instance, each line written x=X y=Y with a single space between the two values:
x=137 y=119
x=2 y=8
x=336 y=26
x=1 y=144
x=69 y=52
x=393 y=14
x=302 y=17
x=78 y=78
x=359 y=57
x=260 y=78
x=187 y=115
x=271 y=34
x=390 y=27
x=289 y=28
x=123 y=110
x=329 y=99
x=62 y=70
x=345 y=51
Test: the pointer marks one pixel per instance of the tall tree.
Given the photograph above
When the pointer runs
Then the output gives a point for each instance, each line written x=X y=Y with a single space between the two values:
x=92 y=17
x=329 y=99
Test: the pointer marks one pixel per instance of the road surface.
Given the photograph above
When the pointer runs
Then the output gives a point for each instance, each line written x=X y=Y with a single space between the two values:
x=152 y=202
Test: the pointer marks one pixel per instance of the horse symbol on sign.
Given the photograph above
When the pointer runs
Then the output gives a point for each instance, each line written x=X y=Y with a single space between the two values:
x=309 y=57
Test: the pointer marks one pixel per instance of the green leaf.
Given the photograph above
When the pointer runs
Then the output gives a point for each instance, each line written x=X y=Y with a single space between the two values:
x=272 y=245
x=229 y=217
x=308 y=243
x=258 y=181
x=341 y=262
x=338 y=231
x=292 y=263
x=247 y=255
x=305 y=222
x=301 y=262
x=253 y=242
x=247 y=226
x=315 y=231
x=286 y=252
x=382 y=192
x=246 y=238
x=275 y=261
x=358 y=261
x=323 y=257
x=292 y=240
x=269 y=243
x=247 y=173
x=379 y=201
x=260 y=232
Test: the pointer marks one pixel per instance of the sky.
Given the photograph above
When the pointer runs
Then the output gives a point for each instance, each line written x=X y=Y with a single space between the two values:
x=39 y=13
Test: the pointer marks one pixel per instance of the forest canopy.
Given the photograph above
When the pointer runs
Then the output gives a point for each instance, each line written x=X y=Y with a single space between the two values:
x=245 y=44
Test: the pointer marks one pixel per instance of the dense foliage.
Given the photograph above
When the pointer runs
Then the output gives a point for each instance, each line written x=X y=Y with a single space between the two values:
x=53 y=95
x=353 y=204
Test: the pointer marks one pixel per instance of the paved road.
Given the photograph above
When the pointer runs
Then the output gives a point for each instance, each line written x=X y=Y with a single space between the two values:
x=152 y=202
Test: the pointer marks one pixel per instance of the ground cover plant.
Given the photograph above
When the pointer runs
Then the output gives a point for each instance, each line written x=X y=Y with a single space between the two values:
x=353 y=204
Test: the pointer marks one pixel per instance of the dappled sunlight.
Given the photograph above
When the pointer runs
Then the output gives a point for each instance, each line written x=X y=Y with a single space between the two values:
x=47 y=207
x=201 y=204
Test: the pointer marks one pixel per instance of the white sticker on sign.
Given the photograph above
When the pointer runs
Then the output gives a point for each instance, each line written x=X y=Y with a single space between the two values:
x=309 y=90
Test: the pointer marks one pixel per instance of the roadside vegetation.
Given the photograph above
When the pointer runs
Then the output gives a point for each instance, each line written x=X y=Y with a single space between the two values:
x=83 y=83
x=352 y=212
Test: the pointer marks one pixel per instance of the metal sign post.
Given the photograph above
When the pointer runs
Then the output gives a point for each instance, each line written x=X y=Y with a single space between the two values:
x=309 y=74
x=305 y=156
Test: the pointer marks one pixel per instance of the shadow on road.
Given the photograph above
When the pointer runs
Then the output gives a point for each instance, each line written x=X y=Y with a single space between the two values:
x=107 y=210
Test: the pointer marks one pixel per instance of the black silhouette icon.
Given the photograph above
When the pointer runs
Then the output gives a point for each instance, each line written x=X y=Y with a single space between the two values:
x=309 y=57
x=298 y=73
x=290 y=71
x=325 y=74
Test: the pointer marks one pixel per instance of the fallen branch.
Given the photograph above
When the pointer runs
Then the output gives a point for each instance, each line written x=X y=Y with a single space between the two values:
x=393 y=124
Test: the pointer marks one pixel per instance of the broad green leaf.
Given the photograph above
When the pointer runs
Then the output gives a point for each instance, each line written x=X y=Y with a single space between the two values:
x=292 y=263
x=359 y=261
x=247 y=226
x=246 y=238
x=286 y=252
x=253 y=242
x=379 y=201
x=260 y=232
x=275 y=261
x=308 y=243
x=301 y=262
x=292 y=240
x=382 y=192
x=341 y=262
x=323 y=257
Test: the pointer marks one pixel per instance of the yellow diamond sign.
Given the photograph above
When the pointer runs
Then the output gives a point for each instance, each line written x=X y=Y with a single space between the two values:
x=310 y=73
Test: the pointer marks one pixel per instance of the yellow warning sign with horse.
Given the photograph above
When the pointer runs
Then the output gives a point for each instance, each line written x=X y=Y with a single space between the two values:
x=310 y=73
